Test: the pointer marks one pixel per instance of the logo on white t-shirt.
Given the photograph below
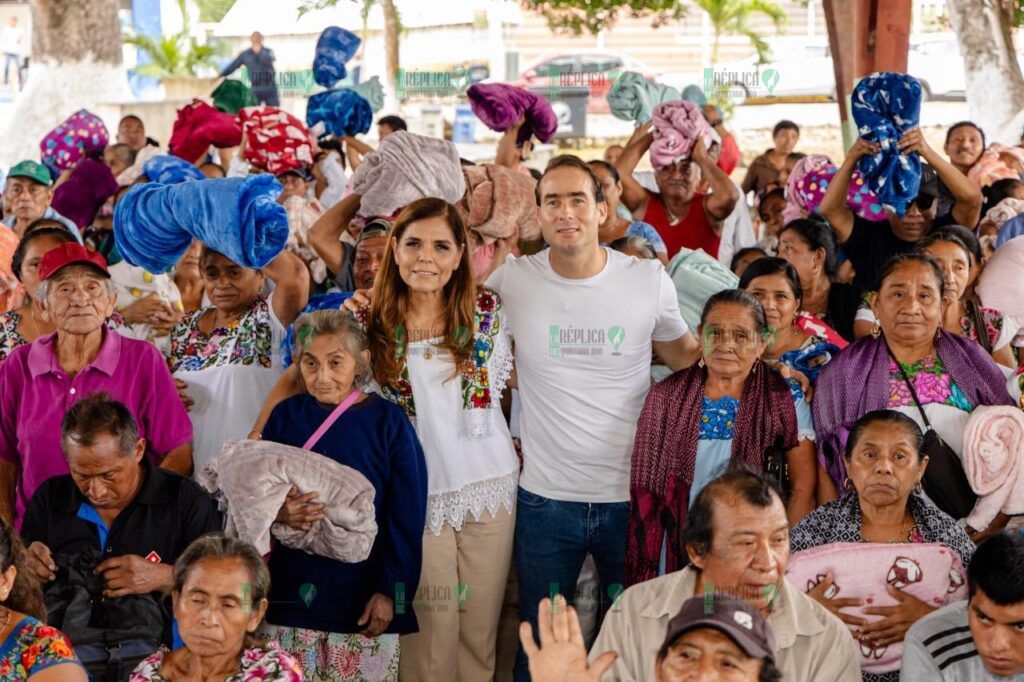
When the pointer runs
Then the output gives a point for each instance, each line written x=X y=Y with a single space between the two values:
x=583 y=341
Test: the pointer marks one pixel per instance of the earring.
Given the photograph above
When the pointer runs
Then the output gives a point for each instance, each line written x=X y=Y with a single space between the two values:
x=918 y=488
x=848 y=485
x=876 y=331
x=700 y=363
x=938 y=333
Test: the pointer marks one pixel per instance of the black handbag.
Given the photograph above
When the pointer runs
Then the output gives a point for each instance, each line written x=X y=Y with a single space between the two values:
x=776 y=469
x=944 y=481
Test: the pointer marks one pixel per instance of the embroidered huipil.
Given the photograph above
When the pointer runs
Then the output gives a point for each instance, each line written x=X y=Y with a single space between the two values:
x=471 y=462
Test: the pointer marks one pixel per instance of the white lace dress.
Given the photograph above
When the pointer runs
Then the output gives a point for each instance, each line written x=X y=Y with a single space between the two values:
x=465 y=474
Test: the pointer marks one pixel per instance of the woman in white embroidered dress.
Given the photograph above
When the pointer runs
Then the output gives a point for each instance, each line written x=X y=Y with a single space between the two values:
x=440 y=349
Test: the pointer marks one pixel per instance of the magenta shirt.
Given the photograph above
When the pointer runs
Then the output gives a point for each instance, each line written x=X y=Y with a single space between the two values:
x=35 y=393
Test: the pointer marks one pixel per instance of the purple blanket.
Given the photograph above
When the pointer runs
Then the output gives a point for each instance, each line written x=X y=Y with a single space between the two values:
x=856 y=382
x=82 y=195
x=500 y=105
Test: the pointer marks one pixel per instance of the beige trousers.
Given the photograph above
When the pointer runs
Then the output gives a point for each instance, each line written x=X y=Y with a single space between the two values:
x=458 y=602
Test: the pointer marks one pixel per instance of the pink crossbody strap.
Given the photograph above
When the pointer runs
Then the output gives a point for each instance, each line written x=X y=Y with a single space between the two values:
x=333 y=417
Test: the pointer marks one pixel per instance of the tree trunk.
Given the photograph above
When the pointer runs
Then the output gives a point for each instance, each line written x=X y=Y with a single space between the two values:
x=714 y=46
x=390 y=41
x=995 y=88
x=75 y=64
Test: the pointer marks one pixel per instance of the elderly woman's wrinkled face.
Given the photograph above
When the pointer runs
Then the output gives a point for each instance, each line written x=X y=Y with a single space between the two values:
x=908 y=304
x=775 y=294
x=964 y=147
x=956 y=267
x=678 y=181
x=884 y=464
x=708 y=655
x=328 y=369
x=731 y=340
x=29 y=274
x=427 y=254
x=78 y=300
x=230 y=287
x=214 y=610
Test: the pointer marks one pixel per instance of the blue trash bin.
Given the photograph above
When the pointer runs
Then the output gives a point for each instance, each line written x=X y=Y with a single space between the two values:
x=464 y=127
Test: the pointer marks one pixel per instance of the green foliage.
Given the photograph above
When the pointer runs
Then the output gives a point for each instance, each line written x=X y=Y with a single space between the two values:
x=732 y=17
x=577 y=16
x=366 y=6
x=178 y=55
x=212 y=11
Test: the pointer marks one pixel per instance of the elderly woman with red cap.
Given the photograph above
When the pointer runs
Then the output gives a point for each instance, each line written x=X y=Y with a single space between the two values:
x=41 y=380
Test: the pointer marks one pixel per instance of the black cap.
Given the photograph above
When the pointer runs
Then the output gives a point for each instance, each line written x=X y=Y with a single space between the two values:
x=929 y=182
x=301 y=171
x=737 y=619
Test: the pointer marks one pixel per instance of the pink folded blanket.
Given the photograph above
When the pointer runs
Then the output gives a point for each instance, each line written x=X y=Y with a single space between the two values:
x=929 y=571
x=809 y=181
x=497 y=201
x=993 y=459
x=1005 y=265
x=677 y=125
x=1008 y=208
x=997 y=163
x=500 y=105
x=251 y=479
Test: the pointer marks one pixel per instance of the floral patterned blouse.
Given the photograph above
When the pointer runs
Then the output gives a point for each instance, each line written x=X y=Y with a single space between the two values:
x=932 y=383
x=249 y=340
x=32 y=647
x=10 y=338
x=259 y=664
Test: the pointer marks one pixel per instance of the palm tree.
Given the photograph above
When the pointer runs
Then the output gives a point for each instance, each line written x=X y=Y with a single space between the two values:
x=732 y=17
x=178 y=55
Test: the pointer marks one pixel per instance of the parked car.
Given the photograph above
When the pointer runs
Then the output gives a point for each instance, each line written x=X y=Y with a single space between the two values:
x=595 y=71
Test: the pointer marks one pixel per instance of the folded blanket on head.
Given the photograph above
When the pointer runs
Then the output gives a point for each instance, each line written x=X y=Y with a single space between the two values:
x=232 y=95
x=334 y=47
x=1004 y=266
x=238 y=217
x=677 y=125
x=997 y=163
x=1005 y=210
x=697 y=276
x=993 y=460
x=343 y=112
x=632 y=97
x=695 y=94
x=275 y=141
x=497 y=201
x=80 y=135
x=886 y=105
x=406 y=167
x=928 y=571
x=810 y=179
x=170 y=170
x=82 y=195
x=142 y=157
x=500 y=105
x=1011 y=229
x=372 y=91
x=199 y=126
x=251 y=479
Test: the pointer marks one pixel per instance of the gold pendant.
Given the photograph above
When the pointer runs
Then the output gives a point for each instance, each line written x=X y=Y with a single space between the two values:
x=427 y=354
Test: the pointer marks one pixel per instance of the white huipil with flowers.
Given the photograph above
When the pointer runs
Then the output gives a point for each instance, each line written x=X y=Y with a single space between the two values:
x=471 y=463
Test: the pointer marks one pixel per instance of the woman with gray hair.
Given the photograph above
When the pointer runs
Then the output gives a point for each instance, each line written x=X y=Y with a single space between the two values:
x=342 y=620
x=220 y=596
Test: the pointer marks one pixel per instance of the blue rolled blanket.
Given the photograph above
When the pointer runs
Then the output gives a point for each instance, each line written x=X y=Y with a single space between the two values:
x=633 y=97
x=343 y=112
x=238 y=217
x=334 y=47
x=886 y=105
x=170 y=170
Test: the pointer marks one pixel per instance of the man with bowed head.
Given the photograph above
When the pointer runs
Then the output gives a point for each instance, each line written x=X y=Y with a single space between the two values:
x=585 y=320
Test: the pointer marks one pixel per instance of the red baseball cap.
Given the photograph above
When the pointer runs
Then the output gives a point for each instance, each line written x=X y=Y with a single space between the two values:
x=70 y=253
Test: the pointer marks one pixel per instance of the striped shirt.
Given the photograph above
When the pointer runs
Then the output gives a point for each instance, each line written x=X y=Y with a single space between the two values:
x=940 y=647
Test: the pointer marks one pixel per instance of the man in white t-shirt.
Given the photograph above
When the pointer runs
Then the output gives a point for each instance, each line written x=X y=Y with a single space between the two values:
x=584 y=320
x=13 y=39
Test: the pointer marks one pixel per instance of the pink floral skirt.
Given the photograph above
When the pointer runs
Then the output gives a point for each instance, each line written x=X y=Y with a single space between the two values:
x=329 y=656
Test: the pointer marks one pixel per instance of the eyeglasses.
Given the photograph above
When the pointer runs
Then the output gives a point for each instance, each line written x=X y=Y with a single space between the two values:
x=924 y=202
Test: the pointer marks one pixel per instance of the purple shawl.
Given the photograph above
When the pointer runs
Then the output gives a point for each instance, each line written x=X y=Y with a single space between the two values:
x=85 y=191
x=500 y=105
x=856 y=382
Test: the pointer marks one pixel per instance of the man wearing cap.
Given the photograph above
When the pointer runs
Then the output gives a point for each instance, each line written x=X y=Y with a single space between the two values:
x=737 y=539
x=41 y=380
x=354 y=267
x=712 y=639
x=869 y=244
x=28 y=193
